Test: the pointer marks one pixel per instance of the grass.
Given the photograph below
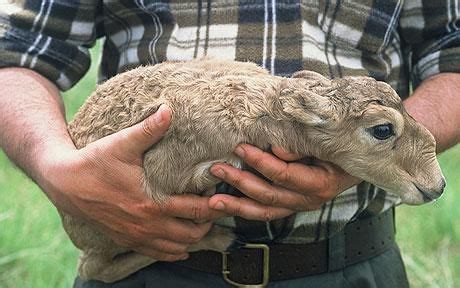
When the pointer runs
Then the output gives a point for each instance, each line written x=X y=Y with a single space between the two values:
x=429 y=236
x=35 y=252
x=34 y=249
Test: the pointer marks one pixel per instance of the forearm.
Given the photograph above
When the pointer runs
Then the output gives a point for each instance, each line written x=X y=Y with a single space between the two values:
x=436 y=104
x=32 y=119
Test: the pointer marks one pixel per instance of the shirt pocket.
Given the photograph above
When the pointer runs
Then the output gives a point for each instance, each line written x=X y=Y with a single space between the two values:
x=368 y=26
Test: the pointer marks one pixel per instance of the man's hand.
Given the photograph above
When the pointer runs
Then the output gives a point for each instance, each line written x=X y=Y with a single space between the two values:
x=295 y=186
x=436 y=105
x=102 y=183
x=299 y=187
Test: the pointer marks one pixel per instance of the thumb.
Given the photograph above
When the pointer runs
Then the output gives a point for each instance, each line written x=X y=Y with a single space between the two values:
x=141 y=136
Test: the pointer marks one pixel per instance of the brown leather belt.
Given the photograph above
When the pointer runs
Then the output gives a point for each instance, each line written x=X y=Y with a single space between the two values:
x=257 y=264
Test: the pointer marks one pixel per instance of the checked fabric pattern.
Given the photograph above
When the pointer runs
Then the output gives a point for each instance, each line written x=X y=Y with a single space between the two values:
x=400 y=42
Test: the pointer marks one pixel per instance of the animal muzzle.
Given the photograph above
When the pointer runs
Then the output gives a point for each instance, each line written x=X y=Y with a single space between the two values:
x=431 y=194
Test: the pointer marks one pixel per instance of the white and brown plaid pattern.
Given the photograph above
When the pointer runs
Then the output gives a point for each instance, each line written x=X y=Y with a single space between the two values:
x=397 y=41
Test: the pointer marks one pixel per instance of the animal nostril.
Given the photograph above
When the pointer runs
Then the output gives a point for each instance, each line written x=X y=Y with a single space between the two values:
x=443 y=184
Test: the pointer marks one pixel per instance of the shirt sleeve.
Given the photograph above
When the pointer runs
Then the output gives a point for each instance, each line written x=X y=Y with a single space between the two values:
x=50 y=37
x=431 y=32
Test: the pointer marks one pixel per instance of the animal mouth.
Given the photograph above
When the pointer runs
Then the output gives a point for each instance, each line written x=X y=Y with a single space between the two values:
x=427 y=196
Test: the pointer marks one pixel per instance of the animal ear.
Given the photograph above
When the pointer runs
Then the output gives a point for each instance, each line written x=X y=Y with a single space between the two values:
x=306 y=106
x=311 y=76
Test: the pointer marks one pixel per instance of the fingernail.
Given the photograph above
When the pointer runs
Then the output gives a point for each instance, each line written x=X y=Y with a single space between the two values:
x=219 y=206
x=240 y=151
x=184 y=257
x=158 y=116
x=218 y=172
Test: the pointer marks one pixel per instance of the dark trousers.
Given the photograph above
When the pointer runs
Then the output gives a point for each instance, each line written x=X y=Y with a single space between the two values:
x=384 y=270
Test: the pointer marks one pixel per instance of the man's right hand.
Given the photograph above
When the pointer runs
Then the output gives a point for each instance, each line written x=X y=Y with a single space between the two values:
x=102 y=183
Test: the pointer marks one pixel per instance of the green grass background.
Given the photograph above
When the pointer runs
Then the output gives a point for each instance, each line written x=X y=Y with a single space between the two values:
x=35 y=252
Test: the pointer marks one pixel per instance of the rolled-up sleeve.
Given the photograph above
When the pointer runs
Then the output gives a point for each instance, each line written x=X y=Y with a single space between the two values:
x=51 y=37
x=431 y=32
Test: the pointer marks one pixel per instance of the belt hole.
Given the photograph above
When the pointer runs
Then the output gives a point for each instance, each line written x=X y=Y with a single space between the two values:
x=383 y=242
x=359 y=253
x=246 y=256
x=280 y=272
x=358 y=228
x=313 y=267
x=372 y=247
x=346 y=257
x=370 y=223
x=297 y=268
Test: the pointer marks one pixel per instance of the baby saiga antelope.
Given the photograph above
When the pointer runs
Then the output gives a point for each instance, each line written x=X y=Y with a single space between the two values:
x=357 y=123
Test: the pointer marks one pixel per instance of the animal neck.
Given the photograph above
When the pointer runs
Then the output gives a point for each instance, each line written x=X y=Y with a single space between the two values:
x=303 y=140
x=267 y=124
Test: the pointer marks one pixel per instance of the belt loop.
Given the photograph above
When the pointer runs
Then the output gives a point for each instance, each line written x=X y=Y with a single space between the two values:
x=336 y=249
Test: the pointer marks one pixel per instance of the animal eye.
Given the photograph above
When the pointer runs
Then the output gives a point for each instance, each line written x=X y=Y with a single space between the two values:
x=382 y=132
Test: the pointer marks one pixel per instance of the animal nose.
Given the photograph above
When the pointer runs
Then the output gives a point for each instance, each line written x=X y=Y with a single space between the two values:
x=443 y=185
x=431 y=194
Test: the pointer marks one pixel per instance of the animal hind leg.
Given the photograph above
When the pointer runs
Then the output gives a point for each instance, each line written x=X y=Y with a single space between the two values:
x=96 y=266
x=218 y=239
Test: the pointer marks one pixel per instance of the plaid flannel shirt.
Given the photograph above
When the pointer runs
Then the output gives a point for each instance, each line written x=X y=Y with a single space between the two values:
x=396 y=41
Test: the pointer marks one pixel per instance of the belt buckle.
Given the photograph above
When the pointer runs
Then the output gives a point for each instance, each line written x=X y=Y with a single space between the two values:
x=266 y=266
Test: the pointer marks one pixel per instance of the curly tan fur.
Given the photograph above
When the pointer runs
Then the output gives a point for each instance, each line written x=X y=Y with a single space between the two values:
x=219 y=104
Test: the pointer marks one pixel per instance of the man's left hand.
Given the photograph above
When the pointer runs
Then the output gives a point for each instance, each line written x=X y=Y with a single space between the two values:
x=294 y=186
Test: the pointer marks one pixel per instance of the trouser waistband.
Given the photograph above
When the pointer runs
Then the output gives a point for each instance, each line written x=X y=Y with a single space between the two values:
x=258 y=263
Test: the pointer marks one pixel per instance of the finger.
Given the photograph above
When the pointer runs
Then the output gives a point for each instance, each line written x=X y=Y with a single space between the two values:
x=264 y=192
x=180 y=230
x=247 y=208
x=192 y=207
x=267 y=164
x=285 y=155
x=167 y=228
x=344 y=180
x=294 y=176
x=141 y=136
x=193 y=234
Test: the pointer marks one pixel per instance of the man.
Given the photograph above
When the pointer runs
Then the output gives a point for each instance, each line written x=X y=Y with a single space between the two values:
x=44 y=49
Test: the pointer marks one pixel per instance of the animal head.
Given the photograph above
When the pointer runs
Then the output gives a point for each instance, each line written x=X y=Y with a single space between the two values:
x=361 y=125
